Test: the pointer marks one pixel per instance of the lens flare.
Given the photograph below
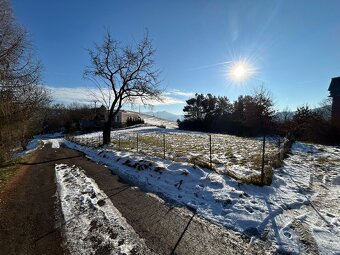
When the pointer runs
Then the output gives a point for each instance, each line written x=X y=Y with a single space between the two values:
x=240 y=71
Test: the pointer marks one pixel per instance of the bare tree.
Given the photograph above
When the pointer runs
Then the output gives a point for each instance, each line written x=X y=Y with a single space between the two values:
x=21 y=96
x=259 y=111
x=123 y=75
x=286 y=115
x=325 y=108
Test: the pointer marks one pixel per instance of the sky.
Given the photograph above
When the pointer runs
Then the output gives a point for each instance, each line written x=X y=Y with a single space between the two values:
x=292 y=47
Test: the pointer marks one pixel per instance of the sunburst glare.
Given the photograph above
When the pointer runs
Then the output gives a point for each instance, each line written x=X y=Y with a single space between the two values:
x=240 y=71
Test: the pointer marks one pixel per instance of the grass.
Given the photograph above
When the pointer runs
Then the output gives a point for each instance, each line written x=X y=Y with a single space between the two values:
x=195 y=148
x=229 y=153
x=323 y=160
x=226 y=150
x=197 y=161
x=125 y=145
x=10 y=168
x=150 y=141
x=255 y=178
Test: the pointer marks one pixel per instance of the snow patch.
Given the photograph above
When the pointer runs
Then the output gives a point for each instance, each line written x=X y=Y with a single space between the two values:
x=55 y=144
x=258 y=212
x=93 y=224
x=31 y=146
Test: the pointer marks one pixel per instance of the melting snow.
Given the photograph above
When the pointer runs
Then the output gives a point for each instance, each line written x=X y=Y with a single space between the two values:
x=55 y=144
x=93 y=224
x=258 y=212
x=228 y=152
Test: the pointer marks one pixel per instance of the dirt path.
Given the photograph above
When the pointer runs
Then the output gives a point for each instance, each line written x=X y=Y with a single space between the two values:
x=27 y=209
x=29 y=215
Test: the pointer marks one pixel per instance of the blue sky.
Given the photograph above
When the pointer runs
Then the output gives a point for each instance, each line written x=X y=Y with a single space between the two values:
x=293 y=45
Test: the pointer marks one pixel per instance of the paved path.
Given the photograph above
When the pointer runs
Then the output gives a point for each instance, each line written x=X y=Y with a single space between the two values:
x=30 y=214
x=27 y=210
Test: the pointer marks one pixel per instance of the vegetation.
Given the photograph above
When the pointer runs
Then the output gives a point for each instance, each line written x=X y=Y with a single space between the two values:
x=310 y=125
x=133 y=121
x=123 y=74
x=72 y=118
x=254 y=178
x=227 y=152
x=253 y=115
x=10 y=168
x=21 y=96
x=126 y=74
x=247 y=116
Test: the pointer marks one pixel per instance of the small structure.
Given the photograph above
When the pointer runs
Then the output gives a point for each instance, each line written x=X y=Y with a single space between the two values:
x=334 y=90
x=122 y=117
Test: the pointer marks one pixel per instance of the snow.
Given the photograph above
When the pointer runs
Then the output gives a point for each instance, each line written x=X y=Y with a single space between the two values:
x=151 y=120
x=229 y=153
x=36 y=141
x=31 y=146
x=55 y=144
x=258 y=212
x=93 y=224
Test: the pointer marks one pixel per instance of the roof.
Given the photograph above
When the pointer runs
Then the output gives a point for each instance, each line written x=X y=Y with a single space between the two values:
x=334 y=87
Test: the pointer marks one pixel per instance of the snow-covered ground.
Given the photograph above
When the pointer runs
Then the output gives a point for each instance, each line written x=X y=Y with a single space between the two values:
x=93 y=224
x=31 y=146
x=298 y=211
x=151 y=120
x=35 y=143
x=315 y=172
x=239 y=155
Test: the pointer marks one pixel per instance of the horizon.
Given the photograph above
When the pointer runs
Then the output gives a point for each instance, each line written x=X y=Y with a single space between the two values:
x=292 y=47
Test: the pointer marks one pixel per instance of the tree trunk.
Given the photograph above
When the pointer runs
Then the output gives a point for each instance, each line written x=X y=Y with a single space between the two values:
x=108 y=123
x=107 y=133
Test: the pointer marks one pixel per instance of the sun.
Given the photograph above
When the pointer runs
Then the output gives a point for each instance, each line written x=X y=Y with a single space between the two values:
x=240 y=71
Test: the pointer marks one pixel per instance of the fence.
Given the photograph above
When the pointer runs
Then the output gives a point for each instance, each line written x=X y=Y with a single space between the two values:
x=219 y=152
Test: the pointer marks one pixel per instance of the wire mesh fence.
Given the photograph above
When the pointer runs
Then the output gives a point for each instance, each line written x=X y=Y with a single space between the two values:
x=154 y=143
x=214 y=151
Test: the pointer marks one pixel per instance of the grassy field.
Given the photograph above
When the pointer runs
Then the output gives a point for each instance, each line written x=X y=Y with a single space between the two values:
x=228 y=153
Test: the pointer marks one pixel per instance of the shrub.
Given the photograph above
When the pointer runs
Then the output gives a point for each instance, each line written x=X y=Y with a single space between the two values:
x=134 y=121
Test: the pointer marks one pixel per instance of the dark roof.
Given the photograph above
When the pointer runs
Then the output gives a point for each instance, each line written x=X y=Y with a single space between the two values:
x=334 y=87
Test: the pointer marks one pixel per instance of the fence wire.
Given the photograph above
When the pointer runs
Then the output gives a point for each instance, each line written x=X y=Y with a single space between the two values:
x=214 y=151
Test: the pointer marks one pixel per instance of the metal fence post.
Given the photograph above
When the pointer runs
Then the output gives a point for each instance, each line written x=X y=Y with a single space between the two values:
x=263 y=152
x=210 y=151
x=164 y=146
x=119 y=142
x=137 y=142
x=279 y=145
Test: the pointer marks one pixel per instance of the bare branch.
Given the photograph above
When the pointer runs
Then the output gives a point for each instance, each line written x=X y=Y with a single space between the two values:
x=128 y=71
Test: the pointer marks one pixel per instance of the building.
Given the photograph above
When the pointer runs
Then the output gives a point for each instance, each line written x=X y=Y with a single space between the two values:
x=122 y=117
x=334 y=90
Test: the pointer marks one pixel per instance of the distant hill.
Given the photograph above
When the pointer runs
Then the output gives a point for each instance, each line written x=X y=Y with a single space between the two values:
x=157 y=121
x=325 y=110
x=165 y=115
x=284 y=115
